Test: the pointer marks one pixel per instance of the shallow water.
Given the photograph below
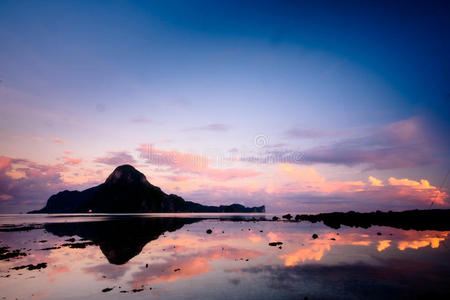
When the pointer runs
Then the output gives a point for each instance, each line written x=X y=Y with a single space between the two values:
x=171 y=256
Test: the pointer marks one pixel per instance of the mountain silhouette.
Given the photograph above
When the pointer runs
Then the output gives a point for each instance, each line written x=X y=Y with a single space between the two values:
x=127 y=190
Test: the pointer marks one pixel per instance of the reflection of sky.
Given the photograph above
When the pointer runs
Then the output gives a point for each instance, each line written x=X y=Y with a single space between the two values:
x=234 y=255
x=357 y=90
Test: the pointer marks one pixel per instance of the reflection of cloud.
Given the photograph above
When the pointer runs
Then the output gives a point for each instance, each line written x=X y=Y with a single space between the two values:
x=416 y=241
x=40 y=294
x=55 y=271
x=189 y=265
x=314 y=250
x=384 y=244
x=111 y=271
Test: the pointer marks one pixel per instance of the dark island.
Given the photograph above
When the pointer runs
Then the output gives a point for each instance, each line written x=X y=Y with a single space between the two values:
x=432 y=219
x=127 y=190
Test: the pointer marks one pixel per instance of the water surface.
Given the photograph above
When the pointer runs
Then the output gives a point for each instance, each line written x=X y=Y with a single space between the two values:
x=172 y=256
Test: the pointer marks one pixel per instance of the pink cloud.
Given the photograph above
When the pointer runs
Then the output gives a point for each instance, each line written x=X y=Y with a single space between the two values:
x=71 y=161
x=26 y=185
x=191 y=163
x=188 y=162
x=59 y=141
x=116 y=158
x=402 y=192
x=5 y=162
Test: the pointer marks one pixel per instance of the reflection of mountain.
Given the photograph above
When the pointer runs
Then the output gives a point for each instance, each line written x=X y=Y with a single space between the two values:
x=127 y=190
x=123 y=238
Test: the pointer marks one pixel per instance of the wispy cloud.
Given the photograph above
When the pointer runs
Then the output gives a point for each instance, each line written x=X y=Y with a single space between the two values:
x=192 y=163
x=116 y=158
x=402 y=144
x=141 y=119
x=303 y=133
x=210 y=127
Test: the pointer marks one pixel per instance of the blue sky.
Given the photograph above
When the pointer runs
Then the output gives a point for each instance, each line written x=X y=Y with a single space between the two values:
x=358 y=87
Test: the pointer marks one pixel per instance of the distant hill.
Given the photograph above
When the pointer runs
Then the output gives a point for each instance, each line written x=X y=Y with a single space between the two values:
x=127 y=190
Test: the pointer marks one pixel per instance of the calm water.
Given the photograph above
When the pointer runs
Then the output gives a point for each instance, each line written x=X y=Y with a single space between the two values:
x=173 y=257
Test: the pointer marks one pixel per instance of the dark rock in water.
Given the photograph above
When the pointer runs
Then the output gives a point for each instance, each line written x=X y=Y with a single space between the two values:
x=105 y=290
x=378 y=233
x=315 y=236
x=275 y=218
x=6 y=254
x=287 y=217
x=297 y=218
x=51 y=248
x=333 y=239
x=209 y=231
x=177 y=269
x=137 y=290
x=127 y=190
x=11 y=228
x=31 y=267
x=275 y=243
x=78 y=245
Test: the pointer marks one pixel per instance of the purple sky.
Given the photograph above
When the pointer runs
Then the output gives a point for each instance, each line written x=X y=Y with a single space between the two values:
x=298 y=106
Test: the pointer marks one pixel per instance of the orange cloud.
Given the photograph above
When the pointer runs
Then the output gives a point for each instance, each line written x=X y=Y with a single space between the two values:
x=308 y=179
x=407 y=192
x=422 y=187
x=375 y=182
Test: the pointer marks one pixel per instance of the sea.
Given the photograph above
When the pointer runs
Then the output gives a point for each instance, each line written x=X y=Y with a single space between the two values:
x=216 y=256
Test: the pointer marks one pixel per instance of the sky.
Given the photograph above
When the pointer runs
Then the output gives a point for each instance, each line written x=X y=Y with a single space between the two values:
x=299 y=106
